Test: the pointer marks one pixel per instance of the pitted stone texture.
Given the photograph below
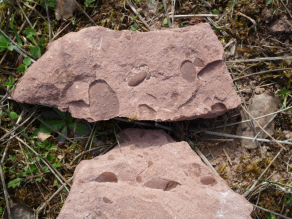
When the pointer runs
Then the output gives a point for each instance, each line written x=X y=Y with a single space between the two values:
x=151 y=177
x=98 y=74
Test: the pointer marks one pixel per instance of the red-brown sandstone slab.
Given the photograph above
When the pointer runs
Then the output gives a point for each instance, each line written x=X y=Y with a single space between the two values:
x=151 y=177
x=98 y=74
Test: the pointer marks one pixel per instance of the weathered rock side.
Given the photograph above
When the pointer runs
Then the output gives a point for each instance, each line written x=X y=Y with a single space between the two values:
x=152 y=177
x=271 y=103
x=98 y=74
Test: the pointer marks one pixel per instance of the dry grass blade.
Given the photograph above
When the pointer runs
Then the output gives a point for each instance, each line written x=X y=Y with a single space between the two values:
x=172 y=11
x=84 y=12
x=259 y=59
x=21 y=28
x=252 y=20
x=18 y=126
x=202 y=156
x=139 y=16
x=236 y=123
x=5 y=192
x=193 y=15
x=45 y=162
x=262 y=72
x=27 y=163
x=18 y=48
x=49 y=22
x=282 y=216
x=57 y=192
x=11 y=132
x=242 y=137
x=166 y=12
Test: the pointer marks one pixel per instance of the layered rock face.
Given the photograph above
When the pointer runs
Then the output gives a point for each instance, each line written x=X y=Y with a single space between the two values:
x=98 y=74
x=151 y=177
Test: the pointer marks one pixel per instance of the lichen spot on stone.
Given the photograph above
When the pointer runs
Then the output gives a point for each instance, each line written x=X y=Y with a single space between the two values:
x=188 y=71
x=107 y=177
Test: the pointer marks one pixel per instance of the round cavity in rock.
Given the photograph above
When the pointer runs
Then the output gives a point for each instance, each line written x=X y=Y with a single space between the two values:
x=163 y=184
x=138 y=179
x=107 y=177
x=137 y=79
x=211 y=70
x=208 y=180
x=117 y=34
x=106 y=200
x=199 y=62
x=146 y=112
x=196 y=165
x=150 y=163
x=218 y=108
x=104 y=103
x=188 y=71
x=111 y=157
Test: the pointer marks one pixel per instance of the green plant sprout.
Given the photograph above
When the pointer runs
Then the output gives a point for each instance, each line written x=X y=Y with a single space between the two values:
x=65 y=123
x=10 y=83
x=134 y=27
x=22 y=172
x=26 y=62
x=165 y=21
x=284 y=94
x=4 y=43
x=12 y=114
x=88 y=2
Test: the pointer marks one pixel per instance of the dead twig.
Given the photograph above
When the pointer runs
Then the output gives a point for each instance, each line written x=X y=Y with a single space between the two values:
x=236 y=123
x=166 y=12
x=5 y=192
x=172 y=11
x=84 y=12
x=57 y=192
x=193 y=15
x=19 y=31
x=252 y=20
x=262 y=72
x=260 y=59
x=33 y=177
x=84 y=152
x=45 y=162
x=49 y=22
x=202 y=156
x=286 y=9
x=282 y=216
x=243 y=137
x=228 y=158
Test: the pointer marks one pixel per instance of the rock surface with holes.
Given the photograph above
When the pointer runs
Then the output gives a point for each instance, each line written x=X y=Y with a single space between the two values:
x=151 y=177
x=98 y=74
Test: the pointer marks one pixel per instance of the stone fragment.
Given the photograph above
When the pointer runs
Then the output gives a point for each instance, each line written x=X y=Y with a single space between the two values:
x=155 y=177
x=64 y=9
x=282 y=25
x=262 y=104
x=98 y=74
x=19 y=211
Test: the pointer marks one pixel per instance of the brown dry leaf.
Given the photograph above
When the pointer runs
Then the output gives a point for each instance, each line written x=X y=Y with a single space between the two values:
x=64 y=9
x=262 y=104
x=43 y=136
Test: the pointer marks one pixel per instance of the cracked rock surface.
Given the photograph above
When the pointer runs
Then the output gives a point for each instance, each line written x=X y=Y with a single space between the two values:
x=98 y=74
x=151 y=177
